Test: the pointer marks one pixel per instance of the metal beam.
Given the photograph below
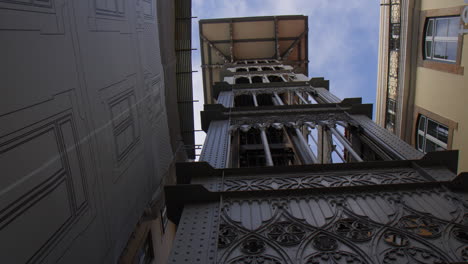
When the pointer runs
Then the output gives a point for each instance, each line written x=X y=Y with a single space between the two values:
x=231 y=47
x=225 y=41
x=294 y=44
x=218 y=52
x=346 y=144
x=277 y=55
x=266 y=147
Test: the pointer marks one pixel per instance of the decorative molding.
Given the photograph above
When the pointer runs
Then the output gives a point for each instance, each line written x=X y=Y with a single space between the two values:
x=58 y=181
x=41 y=15
x=108 y=16
x=322 y=180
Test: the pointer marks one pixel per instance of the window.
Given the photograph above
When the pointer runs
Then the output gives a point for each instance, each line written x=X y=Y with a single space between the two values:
x=242 y=80
x=241 y=70
x=274 y=78
x=440 y=44
x=145 y=254
x=431 y=135
x=441 y=39
x=257 y=79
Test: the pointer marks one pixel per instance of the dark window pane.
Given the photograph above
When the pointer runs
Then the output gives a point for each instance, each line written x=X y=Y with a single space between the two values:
x=432 y=128
x=430 y=146
x=442 y=133
x=440 y=50
x=441 y=27
x=429 y=30
x=452 y=51
x=428 y=49
x=454 y=26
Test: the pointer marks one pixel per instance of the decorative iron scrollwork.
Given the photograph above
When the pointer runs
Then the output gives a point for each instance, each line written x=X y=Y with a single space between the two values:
x=256 y=260
x=338 y=257
x=354 y=229
x=411 y=255
x=421 y=225
x=464 y=254
x=253 y=246
x=325 y=243
x=395 y=239
x=286 y=233
x=461 y=234
x=227 y=234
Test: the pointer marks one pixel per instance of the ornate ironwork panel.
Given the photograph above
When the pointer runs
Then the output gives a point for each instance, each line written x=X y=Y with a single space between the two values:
x=323 y=180
x=418 y=226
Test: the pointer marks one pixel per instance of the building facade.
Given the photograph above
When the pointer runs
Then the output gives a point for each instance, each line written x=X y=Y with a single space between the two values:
x=290 y=173
x=91 y=98
x=421 y=82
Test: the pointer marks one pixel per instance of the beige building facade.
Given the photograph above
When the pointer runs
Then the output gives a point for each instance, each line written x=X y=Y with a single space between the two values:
x=422 y=84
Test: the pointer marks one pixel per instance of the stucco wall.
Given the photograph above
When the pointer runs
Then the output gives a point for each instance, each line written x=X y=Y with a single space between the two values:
x=445 y=93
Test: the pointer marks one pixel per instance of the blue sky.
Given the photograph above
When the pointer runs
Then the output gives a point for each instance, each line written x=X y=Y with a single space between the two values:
x=343 y=41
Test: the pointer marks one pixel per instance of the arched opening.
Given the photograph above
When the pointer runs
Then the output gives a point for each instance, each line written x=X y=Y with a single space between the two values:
x=264 y=99
x=273 y=61
x=274 y=78
x=243 y=100
x=279 y=68
x=242 y=80
x=253 y=69
x=241 y=70
x=251 y=62
x=257 y=79
x=267 y=69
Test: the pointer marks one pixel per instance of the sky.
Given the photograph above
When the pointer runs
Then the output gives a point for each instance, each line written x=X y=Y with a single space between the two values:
x=343 y=41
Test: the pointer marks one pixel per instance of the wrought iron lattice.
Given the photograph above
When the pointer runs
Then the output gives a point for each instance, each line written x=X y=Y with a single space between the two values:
x=286 y=230
x=354 y=229
x=421 y=225
x=286 y=233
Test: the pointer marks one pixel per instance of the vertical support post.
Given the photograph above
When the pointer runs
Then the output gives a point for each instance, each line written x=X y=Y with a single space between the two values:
x=324 y=145
x=266 y=147
x=278 y=99
x=301 y=97
x=304 y=142
x=254 y=97
x=346 y=144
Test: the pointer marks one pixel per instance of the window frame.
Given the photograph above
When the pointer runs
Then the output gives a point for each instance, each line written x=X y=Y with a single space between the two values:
x=440 y=64
x=419 y=111
x=426 y=136
x=433 y=38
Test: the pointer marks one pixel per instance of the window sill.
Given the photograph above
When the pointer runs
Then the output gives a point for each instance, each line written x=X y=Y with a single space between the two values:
x=441 y=66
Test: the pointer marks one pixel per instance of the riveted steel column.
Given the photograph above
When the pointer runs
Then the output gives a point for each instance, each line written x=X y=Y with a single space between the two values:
x=346 y=144
x=304 y=143
x=278 y=99
x=266 y=147
x=301 y=97
x=254 y=97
